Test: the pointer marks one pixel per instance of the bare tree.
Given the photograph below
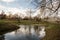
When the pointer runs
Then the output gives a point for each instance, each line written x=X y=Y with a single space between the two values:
x=2 y=15
x=17 y=17
x=41 y=3
x=47 y=4
x=29 y=13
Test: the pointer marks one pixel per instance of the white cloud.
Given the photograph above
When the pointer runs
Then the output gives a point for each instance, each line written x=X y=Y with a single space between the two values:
x=12 y=10
x=7 y=0
x=21 y=12
x=1 y=6
x=9 y=9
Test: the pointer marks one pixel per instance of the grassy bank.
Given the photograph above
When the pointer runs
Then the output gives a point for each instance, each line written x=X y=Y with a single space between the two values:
x=7 y=27
x=52 y=32
x=25 y=22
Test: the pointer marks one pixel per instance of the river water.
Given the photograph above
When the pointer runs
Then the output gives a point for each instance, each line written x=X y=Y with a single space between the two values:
x=25 y=32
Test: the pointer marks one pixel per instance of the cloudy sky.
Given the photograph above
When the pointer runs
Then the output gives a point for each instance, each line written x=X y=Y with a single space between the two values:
x=15 y=5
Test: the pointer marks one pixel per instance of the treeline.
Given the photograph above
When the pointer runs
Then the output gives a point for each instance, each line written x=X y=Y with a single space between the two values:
x=17 y=17
x=2 y=15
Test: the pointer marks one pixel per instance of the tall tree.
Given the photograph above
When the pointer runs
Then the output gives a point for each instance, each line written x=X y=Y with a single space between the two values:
x=47 y=4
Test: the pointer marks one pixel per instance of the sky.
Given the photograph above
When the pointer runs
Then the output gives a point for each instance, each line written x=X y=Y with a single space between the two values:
x=15 y=5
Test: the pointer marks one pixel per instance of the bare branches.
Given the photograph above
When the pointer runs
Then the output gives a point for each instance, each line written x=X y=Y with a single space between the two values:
x=49 y=8
x=57 y=7
x=43 y=3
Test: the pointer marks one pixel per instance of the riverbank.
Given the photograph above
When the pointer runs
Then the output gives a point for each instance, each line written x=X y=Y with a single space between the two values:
x=27 y=22
x=52 y=32
x=7 y=27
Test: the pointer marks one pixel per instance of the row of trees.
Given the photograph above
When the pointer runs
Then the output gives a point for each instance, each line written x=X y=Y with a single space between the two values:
x=18 y=17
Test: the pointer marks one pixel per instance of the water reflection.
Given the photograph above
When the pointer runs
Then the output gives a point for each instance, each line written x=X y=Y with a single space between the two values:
x=26 y=32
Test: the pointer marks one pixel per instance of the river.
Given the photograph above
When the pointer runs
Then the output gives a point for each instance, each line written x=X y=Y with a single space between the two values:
x=25 y=32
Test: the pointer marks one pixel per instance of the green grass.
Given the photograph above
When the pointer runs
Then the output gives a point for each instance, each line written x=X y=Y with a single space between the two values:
x=27 y=22
x=6 y=26
x=52 y=32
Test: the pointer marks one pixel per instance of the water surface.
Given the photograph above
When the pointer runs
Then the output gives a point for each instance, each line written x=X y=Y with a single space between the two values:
x=25 y=32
